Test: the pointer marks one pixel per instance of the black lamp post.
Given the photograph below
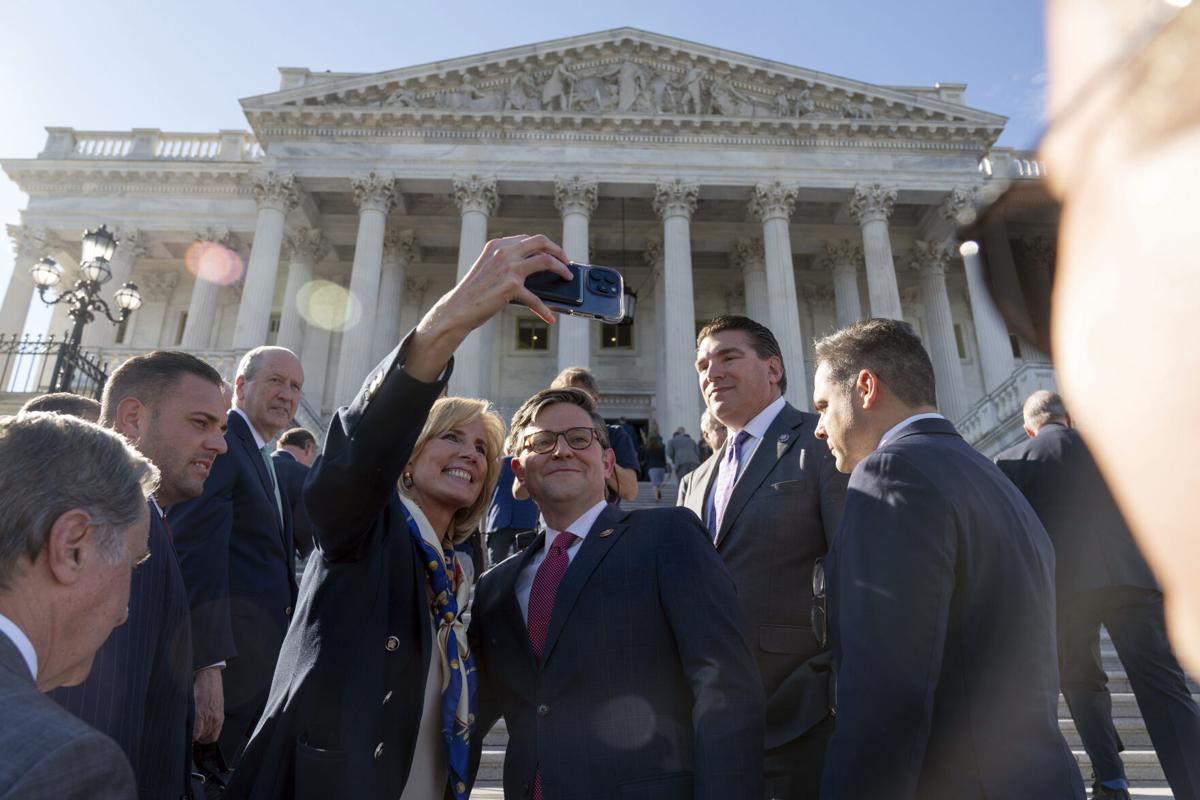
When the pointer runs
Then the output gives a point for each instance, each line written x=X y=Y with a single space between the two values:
x=84 y=298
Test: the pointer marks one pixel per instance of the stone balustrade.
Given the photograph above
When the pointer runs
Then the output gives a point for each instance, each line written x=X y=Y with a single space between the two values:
x=151 y=144
x=995 y=422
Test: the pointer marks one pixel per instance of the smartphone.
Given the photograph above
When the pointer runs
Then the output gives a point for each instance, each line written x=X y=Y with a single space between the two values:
x=594 y=292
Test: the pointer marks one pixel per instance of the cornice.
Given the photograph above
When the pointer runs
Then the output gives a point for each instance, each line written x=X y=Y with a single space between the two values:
x=41 y=177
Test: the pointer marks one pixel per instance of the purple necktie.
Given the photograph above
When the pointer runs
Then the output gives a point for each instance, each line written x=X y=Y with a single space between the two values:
x=727 y=474
x=541 y=606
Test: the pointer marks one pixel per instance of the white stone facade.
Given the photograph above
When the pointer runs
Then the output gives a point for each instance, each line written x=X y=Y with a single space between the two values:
x=716 y=182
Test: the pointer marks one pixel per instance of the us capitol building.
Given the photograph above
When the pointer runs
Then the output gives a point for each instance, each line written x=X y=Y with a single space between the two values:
x=716 y=182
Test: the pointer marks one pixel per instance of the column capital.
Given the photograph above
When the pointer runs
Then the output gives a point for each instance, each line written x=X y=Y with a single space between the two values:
x=132 y=243
x=749 y=251
x=158 y=286
x=576 y=195
x=222 y=236
x=931 y=257
x=1039 y=252
x=817 y=295
x=307 y=243
x=959 y=204
x=476 y=194
x=374 y=192
x=675 y=198
x=842 y=254
x=773 y=200
x=400 y=245
x=280 y=191
x=29 y=242
x=870 y=202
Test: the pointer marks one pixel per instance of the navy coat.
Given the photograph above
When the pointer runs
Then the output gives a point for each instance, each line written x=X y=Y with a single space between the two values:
x=647 y=689
x=1093 y=545
x=292 y=474
x=139 y=691
x=345 y=703
x=941 y=598
x=236 y=557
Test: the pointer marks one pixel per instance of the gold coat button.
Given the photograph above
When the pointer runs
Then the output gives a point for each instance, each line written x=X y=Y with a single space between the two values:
x=379 y=750
x=460 y=787
x=454 y=664
x=448 y=616
x=432 y=566
x=392 y=644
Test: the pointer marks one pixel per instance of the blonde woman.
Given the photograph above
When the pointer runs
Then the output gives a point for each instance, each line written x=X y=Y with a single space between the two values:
x=373 y=695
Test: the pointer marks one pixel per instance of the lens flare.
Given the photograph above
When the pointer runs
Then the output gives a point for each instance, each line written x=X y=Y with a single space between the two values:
x=329 y=306
x=214 y=262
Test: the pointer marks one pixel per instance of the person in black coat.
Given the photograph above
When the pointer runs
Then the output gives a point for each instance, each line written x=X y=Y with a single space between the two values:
x=1102 y=579
x=295 y=451
x=939 y=589
x=170 y=407
x=350 y=711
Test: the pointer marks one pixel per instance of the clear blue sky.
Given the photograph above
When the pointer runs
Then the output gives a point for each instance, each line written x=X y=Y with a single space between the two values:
x=183 y=66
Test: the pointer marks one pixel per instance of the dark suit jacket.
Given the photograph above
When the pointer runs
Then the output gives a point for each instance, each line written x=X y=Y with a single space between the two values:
x=48 y=753
x=783 y=512
x=1092 y=543
x=345 y=704
x=291 y=474
x=236 y=559
x=647 y=688
x=139 y=691
x=941 y=595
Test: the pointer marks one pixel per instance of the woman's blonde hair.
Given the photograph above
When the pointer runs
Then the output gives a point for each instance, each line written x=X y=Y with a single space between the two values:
x=454 y=412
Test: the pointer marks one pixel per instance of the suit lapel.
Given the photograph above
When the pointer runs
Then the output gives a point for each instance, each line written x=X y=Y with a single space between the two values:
x=701 y=482
x=511 y=608
x=778 y=440
x=242 y=430
x=593 y=550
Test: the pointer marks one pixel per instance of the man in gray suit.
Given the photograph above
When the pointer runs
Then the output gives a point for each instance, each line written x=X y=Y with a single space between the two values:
x=75 y=524
x=683 y=453
x=771 y=500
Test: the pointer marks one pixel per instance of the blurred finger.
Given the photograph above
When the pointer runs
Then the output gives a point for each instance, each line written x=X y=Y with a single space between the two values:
x=534 y=304
x=539 y=243
x=544 y=262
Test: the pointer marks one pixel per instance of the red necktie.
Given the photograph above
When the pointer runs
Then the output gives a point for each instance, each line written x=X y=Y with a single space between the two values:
x=541 y=606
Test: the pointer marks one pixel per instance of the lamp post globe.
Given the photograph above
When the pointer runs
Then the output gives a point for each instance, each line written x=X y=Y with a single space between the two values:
x=46 y=273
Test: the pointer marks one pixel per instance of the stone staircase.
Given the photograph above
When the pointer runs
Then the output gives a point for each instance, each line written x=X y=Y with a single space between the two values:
x=1141 y=763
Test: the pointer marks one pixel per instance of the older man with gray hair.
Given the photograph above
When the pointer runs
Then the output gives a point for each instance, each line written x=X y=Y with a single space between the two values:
x=74 y=526
x=235 y=551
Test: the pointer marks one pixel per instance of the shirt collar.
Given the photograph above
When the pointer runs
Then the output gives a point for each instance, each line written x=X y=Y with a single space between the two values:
x=258 y=440
x=579 y=527
x=904 y=423
x=22 y=643
x=758 y=426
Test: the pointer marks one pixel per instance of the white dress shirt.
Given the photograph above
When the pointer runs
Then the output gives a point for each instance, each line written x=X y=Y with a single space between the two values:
x=24 y=646
x=904 y=423
x=579 y=527
x=755 y=430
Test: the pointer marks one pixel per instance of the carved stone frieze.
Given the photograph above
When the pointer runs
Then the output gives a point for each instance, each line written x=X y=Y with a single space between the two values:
x=872 y=202
x=576 y=195
x=675 y=198
x=476 y=194
x=275 y=190
x=774 y=200
x=374 y=192
x=132 y=243
x=307 y=243
x=400 y=245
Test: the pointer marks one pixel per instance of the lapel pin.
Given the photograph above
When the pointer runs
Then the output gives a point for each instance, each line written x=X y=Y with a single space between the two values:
x=604 y=534
x=783 y=437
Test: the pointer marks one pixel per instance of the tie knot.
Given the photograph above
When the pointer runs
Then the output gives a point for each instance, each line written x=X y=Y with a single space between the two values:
x=741 y=438
x=563 y=541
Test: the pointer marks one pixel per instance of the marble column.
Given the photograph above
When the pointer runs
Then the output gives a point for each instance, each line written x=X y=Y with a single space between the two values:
x=276 y=194
x=871 y=205
x=930 y=259
x=843 y=258
x=748 y=255
x=674 y=202
x=29 y=244
x=306 y=247
x=995 y=350
x=653 y=256
x=314 y=359
x=575 y=199
x=206 y=293
x=772 y=204
x=146 y=326
x=374 y=194
x=399 y=250
x=477 y=200
x=131 y=245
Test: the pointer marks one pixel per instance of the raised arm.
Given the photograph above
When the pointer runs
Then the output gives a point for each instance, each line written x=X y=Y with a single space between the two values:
x=371 y=439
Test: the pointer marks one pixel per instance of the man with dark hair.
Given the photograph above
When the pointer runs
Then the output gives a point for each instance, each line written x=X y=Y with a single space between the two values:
x=235 y=549
x=73 y=528
x=295 y=452
x=1102 y=579
x=623 y=483
x=613 y=645
x=72 y=405
x=771 y=500
x=168 y=405
x=940 y=595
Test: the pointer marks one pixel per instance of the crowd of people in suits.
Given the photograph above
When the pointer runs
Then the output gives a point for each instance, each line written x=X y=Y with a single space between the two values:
x=849 y=604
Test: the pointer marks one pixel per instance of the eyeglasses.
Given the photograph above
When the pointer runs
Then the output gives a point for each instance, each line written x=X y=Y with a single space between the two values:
x=1156 y=63
x=542 y=442
x=819 y=619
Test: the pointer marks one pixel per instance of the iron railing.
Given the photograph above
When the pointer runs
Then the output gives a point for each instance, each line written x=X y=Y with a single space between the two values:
x=37 y=364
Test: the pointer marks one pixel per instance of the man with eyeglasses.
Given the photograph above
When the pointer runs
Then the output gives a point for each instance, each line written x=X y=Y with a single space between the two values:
x=940 y=593
x=614 y=646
